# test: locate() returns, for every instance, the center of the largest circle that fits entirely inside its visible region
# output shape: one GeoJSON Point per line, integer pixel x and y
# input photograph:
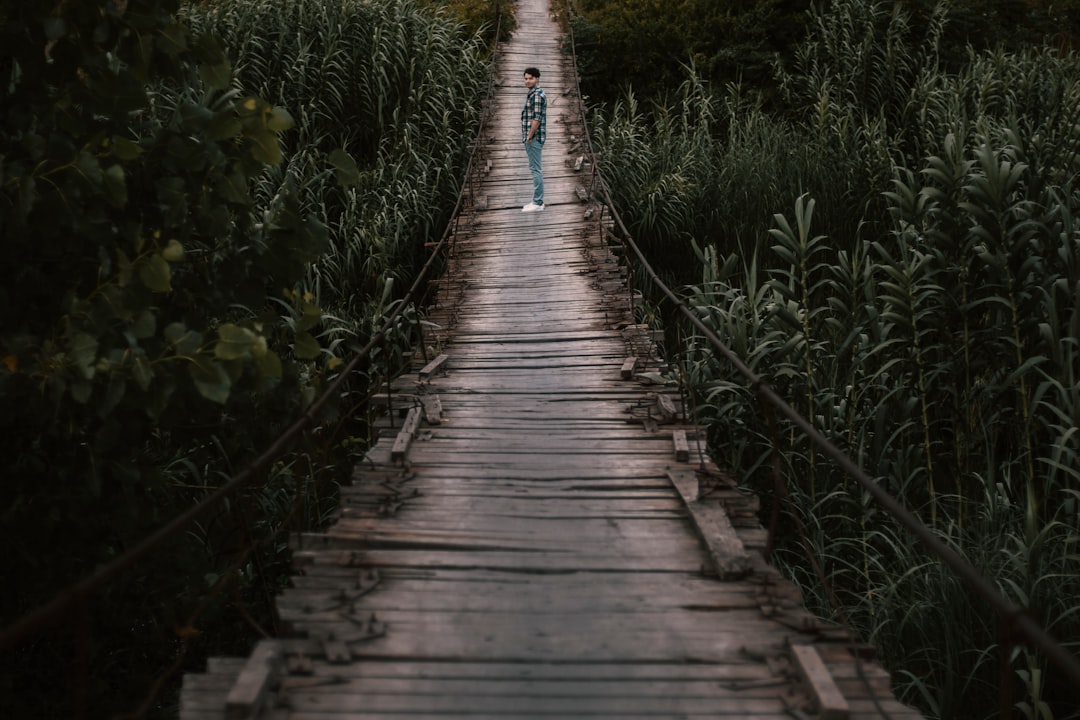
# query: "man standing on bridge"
{"type": "Point", "coordinates": [533, 134]}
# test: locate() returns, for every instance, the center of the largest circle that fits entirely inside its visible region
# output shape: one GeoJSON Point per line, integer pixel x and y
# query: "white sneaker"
{"type": "Point", "coordinates": [532, 207]}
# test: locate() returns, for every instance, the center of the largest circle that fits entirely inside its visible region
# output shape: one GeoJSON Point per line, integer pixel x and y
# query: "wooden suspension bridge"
{"type": "Point", "coordinates": [538, 533]}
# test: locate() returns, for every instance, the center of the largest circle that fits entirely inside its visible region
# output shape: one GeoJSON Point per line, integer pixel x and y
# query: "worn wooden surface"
{"type": "Point", "coordinates": [537, 533]}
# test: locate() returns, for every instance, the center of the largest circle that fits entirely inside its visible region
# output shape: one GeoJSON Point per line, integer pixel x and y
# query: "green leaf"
{"type": "Point", "coordinates": [173, 251]}
{"type": "Point", "coordinates": [125, 149]}
{"type": "Point", "coordinates": [216, 75]}
{"type": "Point", "coordinates": [345, 169]}
{"type": "Point", "coordinates": [81, 391]}
{"type": "Point", "coordinates": [187, 342]}
{"type": "Point", "coordinates": [211, 380]}
{"type": "Point", "coordinates": [83, 352]}
{"type": "Point", "coordinates": [89, 167]}
{"type": "Point", "coordinates": [54, 26]}
{"type": "Point", "coordinates": [142, 372]}
{"type": "Point", "coordinates": [233, 188]}
{"type": "Point", "coordinates": [144, 325]}
{"type": "Point", "coordinates": [280, 120]}
{"type": "Point", "coordinates": [268, 365]}
{"type": "Point", "coordinates": [195, 117]}
{"type": "Point", "coordinates": [172, 198]}
{"type": "Point", "coordinates": [173, 40]}
{"type": "Point", "coordinates": [155, 273]}
{"type": "Point", "coordinates": [115, 186]}
{"type": "Point", "coordinates": [310, 316]}
{"type": "Point", "coordinates": [306, 347]}
{"type": "Point", "coordinates": [27, 194]}
{"type": "Point", "coordinates": [235, 342]}
{"type": "Point", "coordinates": [114, 393]}
{"type": "Point", "coordinates": [157, 400]}
{"type": "Point", "coordinates": [207, 49]}
{"type": "Point", "coordinates": [223, 125]}
{"type": "Point", "coordinates": [265, 146]}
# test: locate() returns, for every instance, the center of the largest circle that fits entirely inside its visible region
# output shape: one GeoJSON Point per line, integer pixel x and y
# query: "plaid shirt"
{"type": "Point", "coordinates": [535, 109]}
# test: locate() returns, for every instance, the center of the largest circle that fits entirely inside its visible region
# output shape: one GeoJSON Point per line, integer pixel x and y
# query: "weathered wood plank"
{"type": "Point", "coordinates": [830, 702]}
{"type": "Point", "coordinates": [729, 556]}
{"type": "Point", "coordinates": [682, 447]}
{"type": "Point", "coordinates": [434, 366]}
{"type": "Point", "coordinates": [647, 559]}
{"type": "Point", "coordinates": [432, 409]}
{"type": "Point", "coordinates": [405, 435]}
{"type": "Point", "coordinates": [555, 705]}
{"type": "Point", "coordinates": [248, 694]}
{"type": "Point", "coordinates": [497, 673]}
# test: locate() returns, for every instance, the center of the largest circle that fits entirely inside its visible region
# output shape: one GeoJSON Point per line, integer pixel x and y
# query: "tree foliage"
{"type": "Point", "coordinates": [177, 231]}
{"type": "Point", "coordinates": [133, 321]}
{"type": "Point", "coordinates": [646, 43]}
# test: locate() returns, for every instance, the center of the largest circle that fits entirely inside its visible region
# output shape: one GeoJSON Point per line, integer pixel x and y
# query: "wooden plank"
{"type": "Point", "coordinates": [555, 705]}
{"type": "Point", "coordinates": [405, 435]}
{"type": "Point", "coordinates": [432, 409]}
{"type": "Point", "coordinates": [432, 367]}
{"type": "Point", "coordinates": [496, 673]}
{"type": "Point", "coordinates": [679, 558]}
{"type": "Point", "coordinates": [618, 640]}
{"type": "Point", "coordinates": [669, 592]}
{"type": "Point", "coordinates": [335, 651]}
{"type": "Point", "coordinates": [828, 699]}
{"type": "Point", "coordinates": [477, 684]}
{"type": "Point", "coordinates": [729, 557]}
{"type": "Point", "coordinates": [682, 447]}
{"type": "Point", "coordinates": [629, 367]}
{"type": "Point", "coordinates": [253, 685]}
{"type": "Point", "coordinates": [225, 665]}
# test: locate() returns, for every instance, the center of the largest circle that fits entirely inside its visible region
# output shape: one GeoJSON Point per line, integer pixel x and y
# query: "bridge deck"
{"type": "Point", "coordinates": [537, 550]}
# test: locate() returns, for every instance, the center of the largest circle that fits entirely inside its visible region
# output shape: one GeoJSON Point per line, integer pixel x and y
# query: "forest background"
{"type": "Point", "coordinates": [208, 206]}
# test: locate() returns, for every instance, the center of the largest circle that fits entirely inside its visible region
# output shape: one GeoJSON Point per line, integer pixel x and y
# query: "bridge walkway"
{"type": "Point", "coordinates": [538, 533]}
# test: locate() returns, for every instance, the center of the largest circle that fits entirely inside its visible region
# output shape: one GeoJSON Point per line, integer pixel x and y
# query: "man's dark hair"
{"type": "Point", "coordinates": [532, 71]}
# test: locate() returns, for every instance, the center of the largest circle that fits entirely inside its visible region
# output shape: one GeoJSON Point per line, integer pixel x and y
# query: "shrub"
{"type": "Point", "coordinates": [918, 308]}
{"type": "Point", "coordinates": [175, 245]}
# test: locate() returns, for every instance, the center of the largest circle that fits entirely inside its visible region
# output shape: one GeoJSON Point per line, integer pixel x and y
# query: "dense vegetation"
{"type": "Point", "coordinates": [896, 248]}
{"type": "Point", "coordinates": [645, 44]}
{"type": "Point", "coordinates": [204, 210]}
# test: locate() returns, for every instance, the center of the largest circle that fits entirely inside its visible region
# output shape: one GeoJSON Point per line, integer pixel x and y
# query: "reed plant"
{"type": "Point", "coordinates": [914, 293]}
{"type": "Point", "coordinates": [386, 100]}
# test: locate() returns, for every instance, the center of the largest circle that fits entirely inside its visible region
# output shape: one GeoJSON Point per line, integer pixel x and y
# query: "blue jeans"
{"type": "Point", "coordinates": [533, 150]}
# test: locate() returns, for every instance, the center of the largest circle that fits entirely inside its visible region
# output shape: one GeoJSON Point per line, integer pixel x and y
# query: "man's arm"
{"type": "Point", "coordinates": [534, 126]}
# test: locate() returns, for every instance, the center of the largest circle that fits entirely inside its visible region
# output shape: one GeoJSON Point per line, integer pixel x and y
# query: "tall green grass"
{"type": "Point", "coordinates": [395, 85]}
{"type": "Point", "coordinates": [897, 255]}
